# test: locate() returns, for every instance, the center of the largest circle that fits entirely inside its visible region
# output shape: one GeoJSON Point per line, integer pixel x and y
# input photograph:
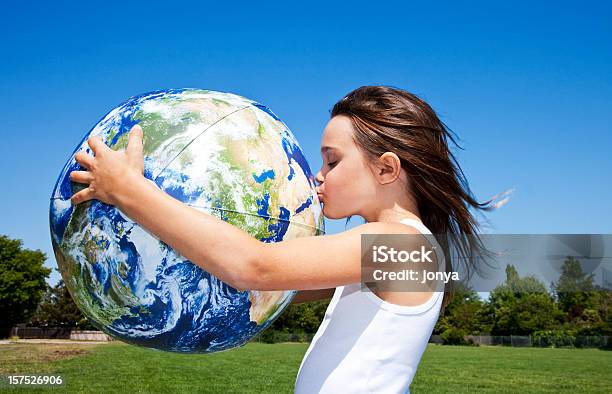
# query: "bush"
{"type": "Point", "coordinates": [270, 336]}
{"type": "Point", "coordinates": [275, 336]}
{"type": "Point", "coordinates": [554, 338]}
{"type": "Point", "coordinates": [454, 336]}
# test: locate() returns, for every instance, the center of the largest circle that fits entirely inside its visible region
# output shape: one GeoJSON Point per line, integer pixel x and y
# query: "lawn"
{"type": "Point", "coordinates": [259, 367]}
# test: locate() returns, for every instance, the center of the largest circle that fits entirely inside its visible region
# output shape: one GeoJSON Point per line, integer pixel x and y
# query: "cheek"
{"type": "Point", "coordinates": [341, 184]}
{"type": "Point", "coordinates": [342, 195]}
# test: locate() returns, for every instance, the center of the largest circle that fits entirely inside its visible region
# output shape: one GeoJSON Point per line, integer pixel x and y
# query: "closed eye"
{"type": "Point", "coordinates": [331, 164]}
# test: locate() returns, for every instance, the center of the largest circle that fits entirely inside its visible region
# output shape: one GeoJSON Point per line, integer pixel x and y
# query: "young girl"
{"type": "Point", "coordinates": [386, 159]}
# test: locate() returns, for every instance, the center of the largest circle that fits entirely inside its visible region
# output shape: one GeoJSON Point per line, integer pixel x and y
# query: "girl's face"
{"type": "Point", "coordinates": [345, 183]}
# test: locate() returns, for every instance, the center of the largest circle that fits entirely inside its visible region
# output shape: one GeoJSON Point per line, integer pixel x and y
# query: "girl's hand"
{"type": "Point", "coordinates": [110, 173]}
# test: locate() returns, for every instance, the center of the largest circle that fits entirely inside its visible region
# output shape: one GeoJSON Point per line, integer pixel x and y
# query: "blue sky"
{"type": "Point", "coordinates": [525, 85]}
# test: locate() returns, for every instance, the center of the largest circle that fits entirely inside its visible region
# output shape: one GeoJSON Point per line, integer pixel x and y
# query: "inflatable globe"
{"type": "Point", "coordinates": [221, 154]}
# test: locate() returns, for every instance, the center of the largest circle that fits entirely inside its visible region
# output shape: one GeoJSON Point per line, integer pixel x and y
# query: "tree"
{"type": "Point", "coordinates": [522, 306]}
{"type": "Point", "coordinates": [574, 289]}
{"type": "Point", "coordinates": [587, 306]}
{"type": "Point", "coordinates": [604, 310]}
{"type": "Point", "coordinates": [57, 309]}
{"type": "Point", "coordinates": [465, 314]}
{"type": "Point", "coordinates": [518, 285]}
{"type": "Point", "coordinates": [22, 282]}
{"type": "Point", "coordinates": [305, 317]}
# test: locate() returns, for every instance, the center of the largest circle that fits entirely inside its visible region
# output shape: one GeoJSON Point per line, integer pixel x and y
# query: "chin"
{"type": "Point", "coordinates": [330, 214]}
{"type": "Point", "coordinates": [326, 212]}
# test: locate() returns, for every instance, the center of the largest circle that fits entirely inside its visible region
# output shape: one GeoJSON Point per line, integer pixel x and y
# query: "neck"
{"type": "Point", "coordinates": [393, 211]}
{"type": "Point", "coordinates": [391, 204]}
{"type": "Point", "coordinates": [397, 215]}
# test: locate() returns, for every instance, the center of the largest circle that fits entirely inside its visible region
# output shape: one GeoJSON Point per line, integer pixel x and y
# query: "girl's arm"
{"type": "Point", "coordinates": [237, 258]}
{"type": "Point", "coordinates": [233, 255]}
{"type": "Point", "coordinates": [224, 250]}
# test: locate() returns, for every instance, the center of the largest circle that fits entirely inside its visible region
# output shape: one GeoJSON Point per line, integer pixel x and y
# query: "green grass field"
{"type": "Point", "coordinates": [272, 368]}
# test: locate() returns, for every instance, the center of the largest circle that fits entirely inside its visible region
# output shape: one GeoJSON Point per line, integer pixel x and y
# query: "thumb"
{"type": "Point", "coordinates": [134, 147]}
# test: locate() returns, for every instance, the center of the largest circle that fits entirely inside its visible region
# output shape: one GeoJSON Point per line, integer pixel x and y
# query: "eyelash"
{"type": "Point", "coordinates": [333, 163]}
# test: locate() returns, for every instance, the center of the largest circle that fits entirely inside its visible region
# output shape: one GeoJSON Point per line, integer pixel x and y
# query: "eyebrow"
{"type": "Point", "coordinates": [326, 148]}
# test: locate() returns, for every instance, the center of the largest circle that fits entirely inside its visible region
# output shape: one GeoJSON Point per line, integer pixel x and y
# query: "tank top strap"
{"type": "Point", "coordinates": [416, 223]}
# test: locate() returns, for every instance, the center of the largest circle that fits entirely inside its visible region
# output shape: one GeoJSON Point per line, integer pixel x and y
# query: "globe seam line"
{"type": "Point", "coordinates": [195, 138]}
{"type": "Point", "coordinates": [242, 212]}
{"type": "Point", "coordinates": [257, 215]}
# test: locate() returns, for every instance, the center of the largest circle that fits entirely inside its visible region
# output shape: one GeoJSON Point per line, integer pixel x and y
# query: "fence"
{"type": "Point", "coordinates": [535, 341]}
{"type": "Point", "coordinates": [271, 336]}
{"type": "Point", "coordinates": [41, 332]}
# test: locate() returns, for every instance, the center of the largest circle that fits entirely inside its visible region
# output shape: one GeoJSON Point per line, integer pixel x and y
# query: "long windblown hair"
{"type": "Point", "coordinates": [389, 119]}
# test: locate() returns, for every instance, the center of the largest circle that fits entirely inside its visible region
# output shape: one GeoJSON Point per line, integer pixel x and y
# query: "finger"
{"type": "Point", "coordinates": [96, 144]}
{"type": "Point", "coordinates": [81, 196]}
{"type": "Point", "coordinates": [134, 147]}
{"type": "Point", "coordinates": [84, 159]}
{"type": "Point", "coordinates": [81, 176]}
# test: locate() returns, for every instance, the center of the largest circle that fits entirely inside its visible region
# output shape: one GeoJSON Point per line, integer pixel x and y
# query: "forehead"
{"type": "Point", "coordinates": [337, 134]}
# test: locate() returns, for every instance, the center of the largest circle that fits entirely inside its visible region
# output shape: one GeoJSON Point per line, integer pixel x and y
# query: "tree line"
{"type": "Point", "coordinates": [574, 306]}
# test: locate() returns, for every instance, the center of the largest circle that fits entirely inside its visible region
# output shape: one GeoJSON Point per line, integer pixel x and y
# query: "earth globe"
{"type": "Point", "coordinates": [218, 152]}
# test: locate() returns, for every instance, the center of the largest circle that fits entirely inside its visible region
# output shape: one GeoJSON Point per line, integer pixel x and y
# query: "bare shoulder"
{"type": "Point", "coordinates": [388, 228]}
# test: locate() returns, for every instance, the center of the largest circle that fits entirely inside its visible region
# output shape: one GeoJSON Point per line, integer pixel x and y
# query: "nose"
{"type": "Point", "coordinates": [319, 178]}
{"type": "Point", "coordinates": [319, 181]}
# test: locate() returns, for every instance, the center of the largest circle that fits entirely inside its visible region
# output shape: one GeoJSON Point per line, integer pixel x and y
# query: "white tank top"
{"type": "Point", "coordinates": [366, 344]}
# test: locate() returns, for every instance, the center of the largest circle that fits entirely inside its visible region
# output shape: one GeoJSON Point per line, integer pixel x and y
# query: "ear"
{"type": "Point", "coordinates": [387, 168]}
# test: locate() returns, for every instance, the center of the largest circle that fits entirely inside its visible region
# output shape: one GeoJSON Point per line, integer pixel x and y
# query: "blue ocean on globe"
{"type": "Point", "coordinates": [221, 154]}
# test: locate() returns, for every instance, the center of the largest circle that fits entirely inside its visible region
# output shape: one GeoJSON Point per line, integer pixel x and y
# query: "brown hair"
{"type": "Point", "coordinates": [388, 119]}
